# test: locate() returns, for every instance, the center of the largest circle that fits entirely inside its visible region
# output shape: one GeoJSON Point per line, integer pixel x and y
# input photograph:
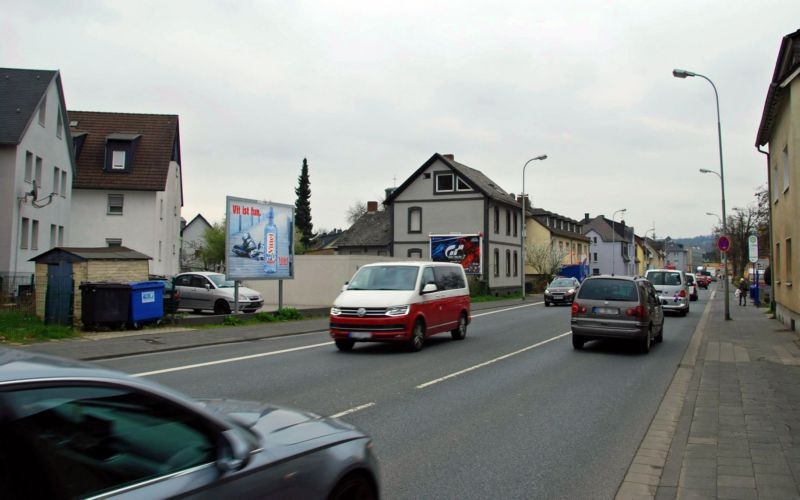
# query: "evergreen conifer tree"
{"type": "Point", "coordinates": [302, 207]}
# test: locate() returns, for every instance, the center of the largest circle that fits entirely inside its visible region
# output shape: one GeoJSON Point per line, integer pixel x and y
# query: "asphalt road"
{"type": "Point", "coordinates": [511, 412]}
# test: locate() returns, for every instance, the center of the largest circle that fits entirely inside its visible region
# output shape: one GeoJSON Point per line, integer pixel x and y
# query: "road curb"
{"type": "Point", "coordinates": [651, 459]}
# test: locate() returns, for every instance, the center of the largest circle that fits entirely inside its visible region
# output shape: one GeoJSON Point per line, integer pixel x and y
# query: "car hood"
{"type": "Point", "coordinates": [279, 425]}
{"type": "Point", "coordinates": [243, 290]}
{"type": "Point", "coordinates": [560, 289]}
{"type": "Point", "coordinates": [373, 298]}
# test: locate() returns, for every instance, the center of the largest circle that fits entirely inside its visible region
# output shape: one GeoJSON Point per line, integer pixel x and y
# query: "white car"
{"type": "Point", "coordinates": [672, 289]}
{"type": "Point", "coordinates": [205, 291]}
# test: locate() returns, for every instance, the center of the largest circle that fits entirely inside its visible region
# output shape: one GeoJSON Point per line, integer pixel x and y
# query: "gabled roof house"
{"type": "Point", "coordinates": [36, 170]}
{"type": "Point", "coordinates": [446, 197]}
{"type": "Point", "coordinates": [128, 187]}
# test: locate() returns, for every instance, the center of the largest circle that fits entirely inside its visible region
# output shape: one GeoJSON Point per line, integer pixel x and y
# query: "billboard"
{"type": "Point", "coordinates": [258, 240]}
{"type": "Point", "coordinates": [464, 249]}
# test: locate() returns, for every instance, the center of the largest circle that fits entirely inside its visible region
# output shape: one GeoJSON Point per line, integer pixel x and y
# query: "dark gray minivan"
{"type": "Point", "coordinates": [617, 307]}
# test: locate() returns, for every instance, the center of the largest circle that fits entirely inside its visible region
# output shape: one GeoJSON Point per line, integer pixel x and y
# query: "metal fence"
{"type": "Point", "coordinates": [18, 291]}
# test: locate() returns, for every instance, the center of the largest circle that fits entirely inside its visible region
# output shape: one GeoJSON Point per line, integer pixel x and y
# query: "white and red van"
{"type": "Point", "coordinates": [401, 302]}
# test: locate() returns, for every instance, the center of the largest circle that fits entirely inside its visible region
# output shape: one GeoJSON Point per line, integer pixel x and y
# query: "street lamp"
{"type": "Point", "coordinates": [649, 257]}
{"type": "Point", "coordinates": [614, 239]}
{"type": "Point", "coordinates": [682, 73]}
{"type": "Point", "coordinates": [522, 233]}
{"type": "Point", "coordinates": [715, 215]}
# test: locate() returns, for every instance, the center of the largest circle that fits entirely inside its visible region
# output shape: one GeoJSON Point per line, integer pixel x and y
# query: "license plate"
{"type": "Point", "coordinates": [360, 335]}
{"type": "Point", "coordinates": [605, 310]}
{"type": "Point", "coordinates": [558, 296]}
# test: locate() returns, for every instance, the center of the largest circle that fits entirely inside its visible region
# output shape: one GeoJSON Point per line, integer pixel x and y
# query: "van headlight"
{"type": "Point", "coordinates": [397, 310]}
{"type": "Point", "coordinates": [335, 311]}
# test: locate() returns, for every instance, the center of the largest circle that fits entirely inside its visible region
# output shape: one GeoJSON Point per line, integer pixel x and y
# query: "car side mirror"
{"type": "Point", "coordinates": [234, 452]}
{"type": "Point", "coordinates": [208, 287]}
{"type": "Point", "coordinates": [429, 287]}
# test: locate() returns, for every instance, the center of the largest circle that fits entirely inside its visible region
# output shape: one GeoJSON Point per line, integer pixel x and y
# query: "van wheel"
{"type": "Point", "coordinates": [417, 337]}
{"type": "Point", "coordinates": [345, 345]}
{"type": "Point", "coordinates": [577, 342]}
{"type": "Point", "coordinates": [644, 344]}
{"type": "Point", "coordinates": [461, 331]}
{"type": "Point", "coordinates": [222, 307]}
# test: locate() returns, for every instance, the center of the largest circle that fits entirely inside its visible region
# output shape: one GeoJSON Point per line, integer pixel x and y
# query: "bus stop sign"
{"type": "Point", "coordinates": [723, 243]}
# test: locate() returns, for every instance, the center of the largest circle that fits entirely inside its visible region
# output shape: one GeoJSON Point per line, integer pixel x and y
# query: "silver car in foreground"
{"type": "Point", "coordinates": [72, 430]}
{"type": "Point", "coordinates": [617, 307]}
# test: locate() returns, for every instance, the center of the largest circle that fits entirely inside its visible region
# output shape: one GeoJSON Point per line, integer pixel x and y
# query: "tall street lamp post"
{"type": "Point", "coordinates": [682, 73]}
{"type": "Point", "coordinates": [614, 240]}
{"type": "Point", "coordinates": [522, 233]}
{"type": "Point", "coordinates": [649, 258]}
{"type": "Point", "coordinates": [725, 232]}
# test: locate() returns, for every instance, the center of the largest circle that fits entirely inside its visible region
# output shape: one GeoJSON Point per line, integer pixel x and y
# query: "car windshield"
{"type": "Point", "coordinates": [562, 282]}
{"type": "Point", "coordinates": [220, 281]}
{"type": "Point", "coordinates": [689, 279]}
{"type": "Point", "coordinates": [608, 289]}
{"type": "Point", "coordinates": [669, 278]}
{"type": "Point", "coordinates": [385, 278]}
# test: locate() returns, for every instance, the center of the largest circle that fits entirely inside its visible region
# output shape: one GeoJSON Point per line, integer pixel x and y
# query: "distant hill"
{"type": "Point", "coordinates": [705, 242]}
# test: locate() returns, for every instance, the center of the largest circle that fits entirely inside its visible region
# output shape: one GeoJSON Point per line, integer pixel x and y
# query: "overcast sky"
{"type": "Point", "coordinates": [369, 90]}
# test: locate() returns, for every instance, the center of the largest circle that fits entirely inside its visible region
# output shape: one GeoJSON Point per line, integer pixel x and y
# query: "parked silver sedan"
{"type": "Point", "coordinates": [72, 430]}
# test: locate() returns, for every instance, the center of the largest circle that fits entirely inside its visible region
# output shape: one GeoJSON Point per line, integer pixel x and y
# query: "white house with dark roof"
{"type": "Point", "coordinates": [444, 196]}
{"type": "Point", "coordinates": [612, 246]}
{"type": "Point", "coordinates": [36, 169]}
{"type": "Point", "coordinates": [128, 184]}
{"type": "Point", "coordinates": [193, 240]}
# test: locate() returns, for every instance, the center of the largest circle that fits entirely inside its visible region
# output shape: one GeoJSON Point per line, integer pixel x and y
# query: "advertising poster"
{"type": "Point", "coordinates": [464, 249]}
{"type": "Point", "coordinates": [258, 240]}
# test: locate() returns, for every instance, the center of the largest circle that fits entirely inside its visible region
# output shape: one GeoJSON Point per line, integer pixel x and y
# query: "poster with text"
{"type": "Point", "coordinates": [464, 249]}
{"type": "Point", "coordinates": [258, 240]}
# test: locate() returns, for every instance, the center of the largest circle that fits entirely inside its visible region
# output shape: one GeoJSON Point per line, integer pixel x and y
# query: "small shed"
{"type": "Point", "coordinates": [61, 270]}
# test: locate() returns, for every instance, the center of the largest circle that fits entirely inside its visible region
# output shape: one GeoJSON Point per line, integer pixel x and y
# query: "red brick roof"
{"type": "Point", "coordinates": [159, 143]}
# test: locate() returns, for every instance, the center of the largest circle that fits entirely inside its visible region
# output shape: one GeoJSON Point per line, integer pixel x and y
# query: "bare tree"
{"type": "Point", "coordinates": [355, 211]}
{"type": "Point", "coordinates": [546, 259]}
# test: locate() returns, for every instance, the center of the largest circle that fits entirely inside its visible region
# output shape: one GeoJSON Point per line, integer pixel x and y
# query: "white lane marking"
{"type": "Point", "coordinates": [495, 360]}
{"type": "Point", "coordinates": [506, 309]}
{"type": "Point", "coordinates": [229, 360]}
{"type": "Point", "coordinates": [272, 353]}
{"type": "Point", "coordinates": [352, 410]}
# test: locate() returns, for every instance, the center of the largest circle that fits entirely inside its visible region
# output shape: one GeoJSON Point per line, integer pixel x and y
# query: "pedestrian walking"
{"type": "Point", "coordinates": [743, 289]}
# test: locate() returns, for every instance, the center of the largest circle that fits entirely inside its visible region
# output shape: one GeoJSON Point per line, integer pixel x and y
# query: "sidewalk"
{"type": "Point", "coordinates": [729, 425]}
{"type": "Point", "coordinates": [94, 346]}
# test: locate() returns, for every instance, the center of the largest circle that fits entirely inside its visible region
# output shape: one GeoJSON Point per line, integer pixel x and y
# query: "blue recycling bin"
{"type": "Point", "coordinates": [147, 302]}
{"type": "Point", "coordinates": [754, 291]}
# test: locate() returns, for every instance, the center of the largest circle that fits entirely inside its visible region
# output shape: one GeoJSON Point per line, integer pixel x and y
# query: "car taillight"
{"type": "Point", "coordinates": [577, 308]}
{"type": "Point", "coordinates": [682, 294]}
{"type": "Point", "coordinates": [636, 312]}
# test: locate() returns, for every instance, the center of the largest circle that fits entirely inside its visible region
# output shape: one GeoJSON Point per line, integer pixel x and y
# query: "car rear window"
{"type": "Point", "coordinates": [608, 289]}
{"type": "Point", "coordinates": [664, 278]}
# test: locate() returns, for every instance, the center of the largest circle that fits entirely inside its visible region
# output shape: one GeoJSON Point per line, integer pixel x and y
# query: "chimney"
{"type": "Point", "coordinates": [586, 216]}
{"type": "Point", "coordinates": [388, 192]}
{"type": "Point", "coordinates": [372, 206]}
{"type": "Point", "coordinates": [450, 156]}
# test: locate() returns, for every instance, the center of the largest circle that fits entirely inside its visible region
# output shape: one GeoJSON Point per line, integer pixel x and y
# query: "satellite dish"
{"type": "Point", "coordinates": [35, 191]}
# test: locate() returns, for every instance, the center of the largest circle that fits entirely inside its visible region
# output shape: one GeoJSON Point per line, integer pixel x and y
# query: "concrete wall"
{"type": "Point", "coordinates": [318, 279]}
{"type": "Point", "coordinates": [43, 142]}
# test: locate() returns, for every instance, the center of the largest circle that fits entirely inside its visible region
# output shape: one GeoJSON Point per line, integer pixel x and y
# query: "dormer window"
{"type": "Point", "coordinates": [120, 149]}
{"type": "Point", "coordinates": [448, 182]}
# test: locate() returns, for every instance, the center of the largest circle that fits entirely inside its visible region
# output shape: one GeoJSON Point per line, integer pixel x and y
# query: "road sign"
{"type": "Point", "coordinates": [752, 243]}
{"type": "Point", "coordinates": [723, 243]}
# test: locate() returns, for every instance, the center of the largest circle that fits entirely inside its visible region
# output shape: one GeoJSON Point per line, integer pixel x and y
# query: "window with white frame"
{"type": "Point", "coordinates": [516, 263]}
{"type": "Point", "coordinates": [508, 263]}
{"type": "Point", "coordinates": [60, 235]}
{"type": "Point", "coordinates": [115, 204]}
{"type": "Point", "coordinates": [785, 166]}
{"type": "Point", "coordinates": [28, 166]}
{"type": "Point", "coordinates": [461, 185]}
{"type": "Point", "coordinates": [118, 159]}
{"type": "Point", "coordinates": [56, 179]}
{"type": "Point", "coordinates": [508, 222]}
{"type": "Point", "coordinates": [38, 172]}
{"type": "Point", "coordinates": [445, 182]}
{"type": "Point", "coordinates": [64, 184]}
{"type": "Point", "coordinates": [24, 233]}
{"type": "Point", "coordinates": [34, 234]}
{"type": "Point", "coordinates": [496, 220]}
{"type": "Point", "coordinates": [53, 235]}
{"type": "Point", "coordinates": [516, 222]}
{"type": "Point", "coordinates": [496, 262]}
{"type": "Point", "coordinates": [113, 242]}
